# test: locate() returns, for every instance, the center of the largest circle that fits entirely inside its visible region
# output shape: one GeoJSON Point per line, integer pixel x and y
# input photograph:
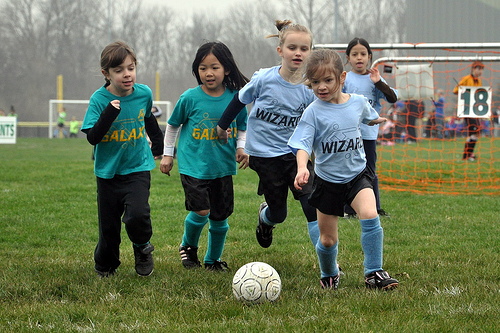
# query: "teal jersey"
{"type": "Point", "coordinates": [200, 154]}
{"type": "Point", "coordinates": [124, 149]}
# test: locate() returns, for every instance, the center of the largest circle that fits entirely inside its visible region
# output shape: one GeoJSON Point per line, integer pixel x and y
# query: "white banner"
{"type": "Point", "coordinates": [474, 102]}
{"type": "Point", "coordinates": [8, 129]}
{"type": "Point", "coordinates": [414, 81]}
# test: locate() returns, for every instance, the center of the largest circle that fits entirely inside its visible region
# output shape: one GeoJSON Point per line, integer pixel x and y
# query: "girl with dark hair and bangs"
{"type": "Point", "coordinates": [207, 164]}
{"type": "Point", "coordinates": [367, 81]}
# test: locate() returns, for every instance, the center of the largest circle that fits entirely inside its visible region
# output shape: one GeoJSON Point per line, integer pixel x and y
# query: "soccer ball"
{"type": "Point", "coordinates": [256, 282]}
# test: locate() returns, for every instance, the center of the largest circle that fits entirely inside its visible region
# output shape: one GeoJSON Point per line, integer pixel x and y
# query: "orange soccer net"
{"type": "Point", "coordinates": [417, 153]}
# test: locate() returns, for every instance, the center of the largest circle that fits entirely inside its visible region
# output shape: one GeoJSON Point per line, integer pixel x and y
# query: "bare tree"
{"type": "Point", "coordinates": [44, 38]}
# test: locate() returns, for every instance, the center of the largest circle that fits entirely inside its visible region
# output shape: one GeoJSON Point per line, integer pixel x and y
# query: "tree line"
{"type": "Point", "coordinates": [41, 39]}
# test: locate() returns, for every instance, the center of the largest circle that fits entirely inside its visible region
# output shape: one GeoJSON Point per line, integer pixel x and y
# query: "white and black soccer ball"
{"type": "Point", "coordinates": [256, 282]}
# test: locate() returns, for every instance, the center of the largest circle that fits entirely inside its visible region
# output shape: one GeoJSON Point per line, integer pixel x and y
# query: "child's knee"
{"type": "Point", "coordinates": [368, 214]}
{"type": "Point", "coordinates": [328, 240]}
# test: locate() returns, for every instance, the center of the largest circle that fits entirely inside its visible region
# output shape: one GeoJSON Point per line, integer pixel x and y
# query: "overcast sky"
{"type": "Point", "coordinates": [187, 6]}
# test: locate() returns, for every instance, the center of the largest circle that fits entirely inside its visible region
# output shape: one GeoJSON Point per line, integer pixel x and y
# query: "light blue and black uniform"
{"type": "Point", "coordinates": [363, 85]}
{"type": "Point", "coordinates": [332, 132]}
{"type": "Point", "coordinates": [277, 108]}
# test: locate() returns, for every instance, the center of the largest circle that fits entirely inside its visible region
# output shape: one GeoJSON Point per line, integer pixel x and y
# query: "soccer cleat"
{"type": "Point", "coordinates": [382, 212]}
{"type": "Point", "coordinates": [264, 232]}
{"type": "Point", "coordinates": [219, 266]}
{"type": "Point", "coordinates": [144, 264]}
{"type": "Point", "coordinates": [380, 280]}
{"type": "Point", "coordinates": [107, 273]}
{"type": "Point", "coordinates": [350, 216]}
{"type": "Point", "coordinates": [330, 282]}
{"type": "Point", "coordinates": [189, 256]}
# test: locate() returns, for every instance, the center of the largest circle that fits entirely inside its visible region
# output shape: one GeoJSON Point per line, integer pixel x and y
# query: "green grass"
{"type": "Point", "coordinates": [443, 249]}
{"type": "Point", "coordinates": [436, 166]}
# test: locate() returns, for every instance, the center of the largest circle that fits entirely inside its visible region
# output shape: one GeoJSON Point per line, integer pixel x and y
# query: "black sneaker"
{"type": "Point", "coordinates": [382, 212]}
{"type": "Point", "coordinates": [220, 266]}
{"type": "Point", "coordinates": [144, 264]}
{"type": "Point", "coordinates": [264, 232]}
{"type": "Point", "coordinates": [380, 280]}
{"type": "Point", "coordinates": [330, 282]}
{"type": "Point", "coordinates": [189, 256]}
{"type": "Point", "coordinates": [107, 273]}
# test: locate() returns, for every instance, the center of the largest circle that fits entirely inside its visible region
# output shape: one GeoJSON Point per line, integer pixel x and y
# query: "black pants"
{"type": "Point", "coordinates": [122, 197]}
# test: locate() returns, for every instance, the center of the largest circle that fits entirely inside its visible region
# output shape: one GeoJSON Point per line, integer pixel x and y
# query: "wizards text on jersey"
{"type": "Point", "coordinates": [281, 121]}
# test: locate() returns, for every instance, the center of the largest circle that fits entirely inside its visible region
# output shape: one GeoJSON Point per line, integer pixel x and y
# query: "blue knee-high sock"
{"type": "Point", "coordinates": [372, 242]}
{"type": "Point", "coordinates": [327, 259]}
{"type": "Point", "coordinates": [216, 239]}
{"type": "Point", "coordinates": [193, 225]}
{"type": "Point", "coordinates": [313, 229]}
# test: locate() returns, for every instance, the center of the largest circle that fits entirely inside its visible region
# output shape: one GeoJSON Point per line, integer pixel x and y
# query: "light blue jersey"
{"type": "Point", "coordinates": [332, 132]}
{"type": "Point", "coordinates": [200, 154]}
{"type": "Point", "coordinates": [363, 85]}
{"type": "Point", "coordinates": [277, 108]}
{"type": "Point", "coordinates": [124, 149]}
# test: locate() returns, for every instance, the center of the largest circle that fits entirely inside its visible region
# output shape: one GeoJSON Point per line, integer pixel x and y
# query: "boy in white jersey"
{"type": "Point", "coordinates": [329, 127]}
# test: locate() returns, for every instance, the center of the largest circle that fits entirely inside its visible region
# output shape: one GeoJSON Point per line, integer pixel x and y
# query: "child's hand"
{"type": "Point", "coordinates": [374, 75]}
{"type": "Point", "coordinates": [242, 158]}
{"type": "Point", "coordinates": [223, 134]}
{"type": "Point", "coordinates": [166, 164]}
{"type": "Point", "coordinates": [115, 103]}
{"type": "Point", "coordinates": [379, 120]}
{"type": "Point", "coordinates": [301, 178]}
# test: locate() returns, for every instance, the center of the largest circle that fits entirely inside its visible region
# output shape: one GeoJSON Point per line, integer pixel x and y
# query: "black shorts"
{"type": "Point", "coordinates": [277, 175]}
{"type": "Point", "coordinates": [330, 198]}
{"type": "Point", "coordinates": [216, 195]}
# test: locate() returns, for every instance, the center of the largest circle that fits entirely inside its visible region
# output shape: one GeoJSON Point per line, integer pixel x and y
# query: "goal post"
{"type": "Point", "coordinates": [434, 163]}
{"type": "Point", "coordinates": [79, 113]}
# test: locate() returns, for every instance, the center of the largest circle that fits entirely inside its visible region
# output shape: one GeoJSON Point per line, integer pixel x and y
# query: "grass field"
{"type": "Point", "coordinates": [444, 250]}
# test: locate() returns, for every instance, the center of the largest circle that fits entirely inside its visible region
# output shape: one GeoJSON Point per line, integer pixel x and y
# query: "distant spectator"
{"type": "Point", "coordinates": [495, 119]}
{"type": "Point", "coordinates": [415, 111]}
{"type": "Point", "coordinates": [156, 111]}
{"type": "Point", "coordinates": [486, 129]}
{"type": "Point", "coordinates": [61, 119]}
{"type": "Point", "coordinates": [400, 120]}
{"type": "Point", "coordinates": [473, 125]}
{"type": "Point", "coordinates": [2, 113]}
{"type": "Point", "coordinates": [73, 127]}
{"type": "Point", "coordinates": [12, 112]}
{"type": "Point", "coordinates": [439, 113]}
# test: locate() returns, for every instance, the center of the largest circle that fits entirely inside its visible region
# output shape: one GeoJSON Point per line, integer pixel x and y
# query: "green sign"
{"type": "Point", "coordinates": [8, 129]}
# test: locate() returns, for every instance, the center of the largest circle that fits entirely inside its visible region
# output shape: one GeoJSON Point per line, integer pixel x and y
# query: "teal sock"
{"type": "Point", "coordinates": [372, 242]}
{"type": "Point", "coordinates": [328, 259]}
{"type": "Point", "coordinates": [313, 229]}
{"type": "Point", "coordinates": [216, 239]}
{"type": "Point", "coordinates": [193, 226]}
